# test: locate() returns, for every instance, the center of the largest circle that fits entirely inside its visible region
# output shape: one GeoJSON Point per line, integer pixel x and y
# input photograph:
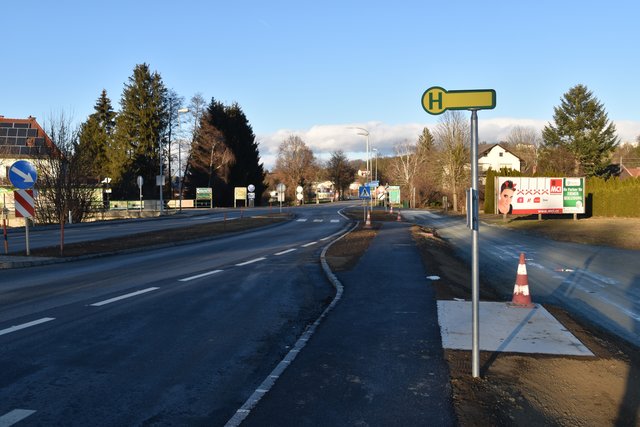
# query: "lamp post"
{"type": "Point", "coordinates": [161, 177]}
{"type": "Point", "coordinates": [365, 132]}
{"type": "Point", "coordinates": [376, 151]}
{"type": "Point", "coordinates": [180, 176]}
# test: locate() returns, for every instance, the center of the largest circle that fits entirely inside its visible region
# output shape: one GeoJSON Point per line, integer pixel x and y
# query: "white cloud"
{"type": "Point", "coordinates": [325, 139]}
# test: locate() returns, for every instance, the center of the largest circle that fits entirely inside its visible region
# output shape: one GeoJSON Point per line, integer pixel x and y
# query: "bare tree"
{"type": "Point", "coordinates": [452, 135]}
{"type": "Point", "coordinates": [196, 109]}
{"type": "Point", "coordinates": [295, 163]}
{"type": "Point", "coordinates": [62, 185]}
{"type": "Point", "coordinates": [524, 142]}
{"type": "Point", "coordinates": [209, 152]}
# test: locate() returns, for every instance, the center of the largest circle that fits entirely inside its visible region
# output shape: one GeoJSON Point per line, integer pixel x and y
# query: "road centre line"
{"type": "Point", "coordinates": [208, 273]}
{"type": "Point", "coordinates": [309, 244]}
{"type": "Point", "coordinates": [250, 261]}
{"type": "Point", "coordinates": [286, 252]}
{"type": "Point", "coordinates": [121, 297]}
{"type": "Point", "coordinates": [15, 416]}
{"type": "Point", "coordinates": [24, 326]}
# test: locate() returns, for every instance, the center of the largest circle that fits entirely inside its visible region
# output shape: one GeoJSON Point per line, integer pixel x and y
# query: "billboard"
{"type": "Point", "coordinates": [525, 195]}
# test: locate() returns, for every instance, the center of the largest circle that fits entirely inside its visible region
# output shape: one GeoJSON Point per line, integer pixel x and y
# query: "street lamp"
{"type": "Point", "coordinates": [180, 176]}
{"type": "Point", "coordinates": [161, 177]}
{"type": "Point", "coordinates": [364, 132]}
{"type": "Point", "coordinates": [376, 151]}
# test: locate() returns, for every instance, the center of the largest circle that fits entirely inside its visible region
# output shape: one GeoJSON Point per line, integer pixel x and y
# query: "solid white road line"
{"type": "Point", "coordinates": [286, 252]}
{"type": "Point", "coordinates": [121, 297]}
{"type": "Point", "coordinates": [15, 416]}
{"type": "Point", "coordinates": [250, 262]}
{"type": "Point", "coordinates": [309, 244]}
{"type": "Point", "coordinates": [208, 273]}
{"type": "Point", "coordinates": [26, 325]}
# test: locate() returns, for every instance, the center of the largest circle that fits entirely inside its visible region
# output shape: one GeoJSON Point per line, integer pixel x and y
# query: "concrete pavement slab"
{"type": "Point", "coordinates": [505, 328]}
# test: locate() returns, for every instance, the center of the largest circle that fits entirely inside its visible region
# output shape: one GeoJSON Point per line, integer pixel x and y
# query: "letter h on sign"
{"type": "Point", "coordinates": [433, 101]}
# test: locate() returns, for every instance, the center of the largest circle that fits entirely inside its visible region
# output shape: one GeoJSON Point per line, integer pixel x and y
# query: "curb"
{"type": "Point", "coordinates": [268, 383]}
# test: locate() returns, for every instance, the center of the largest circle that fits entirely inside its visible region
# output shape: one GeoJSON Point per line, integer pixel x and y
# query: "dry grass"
{"type": "Point", "coordinates": [615, 232]}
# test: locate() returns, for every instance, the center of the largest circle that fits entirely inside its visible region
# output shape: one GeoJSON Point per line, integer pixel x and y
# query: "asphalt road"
{"type": "Point", "coordinates": [49, 235]}
{"type": "Point", "coordinates": [172, 336]}
{"type": "Point", "coordinates": [597, 283]}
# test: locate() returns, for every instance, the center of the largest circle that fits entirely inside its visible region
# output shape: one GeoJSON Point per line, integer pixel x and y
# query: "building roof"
{"type": "Point", "coordinates": [630, 172]}
{"type": "Point", "coordinates": [24, 138]}
{"type": "Point", "coordinates": [483, 150]}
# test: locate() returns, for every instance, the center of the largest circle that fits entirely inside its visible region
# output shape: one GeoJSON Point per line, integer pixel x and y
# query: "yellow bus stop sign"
{"type": "Point", "coordinates": [437, 100]}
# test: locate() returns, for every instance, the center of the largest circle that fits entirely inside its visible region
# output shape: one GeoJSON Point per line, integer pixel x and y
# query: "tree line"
{"type": "Point", "coordinates": [221, 151]}
{"type": "Point", "coordinates": [581, 141]}
{"type": "Point", "coordinates": [113, 148]}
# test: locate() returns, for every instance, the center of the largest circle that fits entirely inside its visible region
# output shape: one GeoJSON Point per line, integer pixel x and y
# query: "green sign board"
{"type": "Point", "coordinates": [573, 195]}
{"type": "Point", "coordinates": [437, 100]}
{"type": "Point", "coordinates": [394, 194]}
{"type": "Point", "coordinates": [204, 193]}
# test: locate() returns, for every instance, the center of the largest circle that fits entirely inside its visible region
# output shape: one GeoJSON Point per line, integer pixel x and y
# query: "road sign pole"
{"type": "Point", "coordinates": [26, 235]}
{"type": "Point", "coordinates": [475, 353]}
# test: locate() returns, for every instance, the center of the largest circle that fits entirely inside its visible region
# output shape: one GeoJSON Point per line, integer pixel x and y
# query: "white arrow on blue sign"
{"type": "Point", "coordinates": [23, 175]}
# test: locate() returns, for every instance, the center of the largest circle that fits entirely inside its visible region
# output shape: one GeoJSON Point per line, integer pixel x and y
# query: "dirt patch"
{"type": "Point", "coordinates": [615, 232]}
{"type": "Point", "coordinates": [523, 389]}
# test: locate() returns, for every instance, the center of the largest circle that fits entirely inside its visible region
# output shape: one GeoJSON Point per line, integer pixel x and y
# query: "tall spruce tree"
{"type": "Point", "coordinates": [583, 129]}
{"type": "Point", "coordinates": [96, 139]}
{"type": "Point", "coordinates": [244, 165]}
{"type": "Point", "coordinates": [140, 132]}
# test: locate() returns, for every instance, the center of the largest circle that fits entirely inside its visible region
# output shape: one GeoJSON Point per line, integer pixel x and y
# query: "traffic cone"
{"type": "Point", "coordinates": [521, 295]}
{"type": "Point", "coordinates": [367, 224]}
{"type": "Point", "coordinates": [399, 217]}
{"type": "Point", "coordinates": [391, 209]}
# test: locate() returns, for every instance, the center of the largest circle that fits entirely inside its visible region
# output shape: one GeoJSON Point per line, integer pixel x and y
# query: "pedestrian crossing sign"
{"type": "Point", "coordinates": [364, 192]}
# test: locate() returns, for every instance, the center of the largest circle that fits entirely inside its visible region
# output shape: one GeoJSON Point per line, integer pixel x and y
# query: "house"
{"type": "Point", "coordinates": [629, 172]}
{"type": "Point", "coordinates": [22, 139]}
{"type": "Point", "coordinates": [496, 157]}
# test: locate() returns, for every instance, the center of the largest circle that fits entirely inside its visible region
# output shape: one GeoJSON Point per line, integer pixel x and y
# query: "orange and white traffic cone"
{"type": "Point", "coordinates": [399, 217]}
{"type": "Point", "coordinates": [367, 224]}
{"type": "Point", "coordinates": [521, 295]}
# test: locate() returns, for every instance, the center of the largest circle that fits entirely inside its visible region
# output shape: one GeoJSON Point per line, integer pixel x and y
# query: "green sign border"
{"type": "Point", "coordinates": [493, 105]}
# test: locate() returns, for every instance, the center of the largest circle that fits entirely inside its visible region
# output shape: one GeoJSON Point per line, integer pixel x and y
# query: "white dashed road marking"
{"type": "Point", "coordinates": [15, 416]}
{"type": "Point", "coordinates": [121, 297]}
{"type": "Point", "coordinates": [251, 261]}
{"type": "Point", "coordinates": [309, 244]}
{"type": "Point", "coordinates": [25, 325]}
{"type": "Point", "coordinates": [208, 273]}
{"type": "Point", "coordinates": [286, 252]}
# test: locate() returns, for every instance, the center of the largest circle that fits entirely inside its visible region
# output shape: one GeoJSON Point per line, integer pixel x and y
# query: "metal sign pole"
{"type": "Point", "coordinates": [26, 235]}
{"type": "Point", "coordinates": [475, 353]}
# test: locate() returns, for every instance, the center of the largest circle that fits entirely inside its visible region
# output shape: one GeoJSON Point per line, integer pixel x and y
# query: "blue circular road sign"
{"type": "Point", "coordinates": [22, 175]}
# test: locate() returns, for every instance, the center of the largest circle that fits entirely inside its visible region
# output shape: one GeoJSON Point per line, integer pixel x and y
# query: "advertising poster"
{"type": "Point", "coordinates": [527, 195]}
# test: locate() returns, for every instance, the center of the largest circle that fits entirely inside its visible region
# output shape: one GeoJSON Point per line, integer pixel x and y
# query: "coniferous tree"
{"type": "Point", "coordinates": [247, 168]}
{"type": "Point", "coordinates": [583, 129]}
{"type": "Point", "coordinates": [140, 133]}
{"type": "Point", "coordinates": [96, 139]}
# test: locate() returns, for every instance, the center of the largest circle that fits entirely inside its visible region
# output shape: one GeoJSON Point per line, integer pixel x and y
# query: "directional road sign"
{"type": "Point", "coordinates": [364, 192]}
{"type": "Point", "coordinates": [22, 175]}
{"type": "Point", "coordinates": [437, 100]}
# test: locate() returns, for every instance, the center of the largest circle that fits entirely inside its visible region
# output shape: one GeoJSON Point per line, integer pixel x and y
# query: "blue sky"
{"type": "Point", "coordinates": [316, 68]}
